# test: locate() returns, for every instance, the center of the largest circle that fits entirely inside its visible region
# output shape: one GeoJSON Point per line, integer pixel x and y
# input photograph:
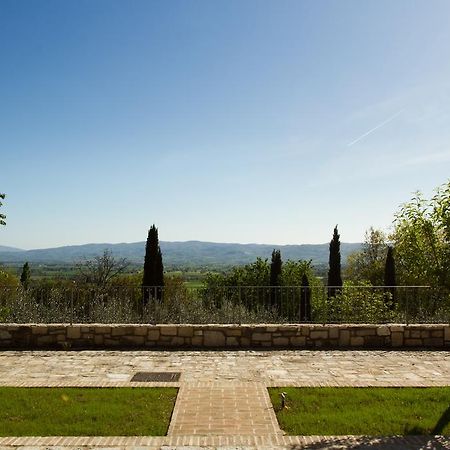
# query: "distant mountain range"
{"type": "Point", "coordinates": [194, 254]}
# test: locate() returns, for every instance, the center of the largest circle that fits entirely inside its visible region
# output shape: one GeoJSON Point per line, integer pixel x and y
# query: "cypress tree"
{"type": "Point", "coordinates": [2, 216]}
{"type": "Point", "coordinates": [153, 278]}
{"type": "Point", "coordinates": [275, 279]}
{"type": "Point", "coordinates": [334, 272]}
{"type": "Point", "coordinates": [25, 276]}
{"type": "Point", "coordinates": [305, 300]}
{"type": "Point", "coordinates": [389, 275]}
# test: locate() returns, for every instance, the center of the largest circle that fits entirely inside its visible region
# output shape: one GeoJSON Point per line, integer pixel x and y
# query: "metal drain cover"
{"type": "Point", "coordinates": [156, 376]}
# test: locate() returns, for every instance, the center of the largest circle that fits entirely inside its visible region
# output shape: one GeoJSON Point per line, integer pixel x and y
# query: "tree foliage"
{"type": "Point", "coordinates": [334, 272]}
{"type": "Point", "coordinates": [368, 264]}
{"type": "Point", "coordinates": [390, 280]}
{"type": "Point", "coordinates": [253, 281]}
{"type": "Point", "coordinates": [305, 300]}
{"type": "Point", "coordinates": [275, 268]}
{"type": "Point", "coordinates": [25, 275]}
{"type": "Point", "coordinates": [421, 239]}
{"type": "Point", "coordinates": [275, 278]}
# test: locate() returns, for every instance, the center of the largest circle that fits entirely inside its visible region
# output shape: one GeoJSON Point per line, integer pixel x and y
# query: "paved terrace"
{"type": "Point", "coordinates": [223, 401]}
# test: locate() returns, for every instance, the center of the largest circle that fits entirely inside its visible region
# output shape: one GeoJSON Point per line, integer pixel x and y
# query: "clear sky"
{"type": "Point", "coordinates": [227, 121]}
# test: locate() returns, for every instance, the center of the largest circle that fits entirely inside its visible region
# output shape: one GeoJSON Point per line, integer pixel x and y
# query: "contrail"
{"type": "Point", "coordinates": [382, 124]}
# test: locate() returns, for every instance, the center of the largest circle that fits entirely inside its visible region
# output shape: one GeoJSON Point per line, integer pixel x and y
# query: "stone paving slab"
{"type": "Point", "coordinates": [272, 368]}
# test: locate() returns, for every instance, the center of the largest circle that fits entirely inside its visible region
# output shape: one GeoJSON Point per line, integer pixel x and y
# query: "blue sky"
{"type": "Point", "coordinates": [228, 121]}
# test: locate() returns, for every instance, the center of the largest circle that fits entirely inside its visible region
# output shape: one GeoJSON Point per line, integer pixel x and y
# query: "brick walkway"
{"type": "Point", "coordinates": [223, 401]}
{"type": "Point", "coordinates": [224, 409]}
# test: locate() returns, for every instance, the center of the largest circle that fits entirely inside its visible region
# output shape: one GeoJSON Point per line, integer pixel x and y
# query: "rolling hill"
{"type": "Point", "coordinates": [181, 254]}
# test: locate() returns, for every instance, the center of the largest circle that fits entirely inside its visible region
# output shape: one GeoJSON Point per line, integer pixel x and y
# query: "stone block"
{"type": "Point", "coordinates": [397, 339]}
{"type": "Point", "coordinates": [118, 331]}
{"type": "Point", "coordinates": [4, 334]}
{"type": "Point", "coordinates": [111, 342]}
{"type": "Point", "coordinates": [447, 333]}
{"type": "Point", "coordinates": [284, 341]}
{"type": "Point", "coordinates": [39, 329]}
{"type": "Point", "coordinates": [197, 341]}
{"type": "Point", "coordinates": [168, 330]}
{"type": "Point", "coordinates": [214, 338]}
{"type": "Point", "coordinates": [140, 330]}
{"type": "Point", "coordinates": [45, 339]}
{"type": "Point", "coordinates": [412, 342]}
{"type": "Point", "coordinates": [305, 330]}
{"type": "Point", "coordinates": [232, 341]}
{"type": "Point", "coordinates": [185, 331]}
{"type": "Point", "coordinates": [383, 331]}
{"type": "Point", "coordinates": [73, 333]}
{"type": "Point", "coordinates": [433, 342]}
{"type": "Point", "coordinates": [366, 332]}
{"type": "Point", "coordinates": [102, 330]}
{"type": "Point", "coordinates": [344, 338]}
{"type": "Point", "coordinates": [99, 339]}
{"type": "Point", "coordinates": [153, 334]}
{"type": "Point", "coordinates": [374, 341]}
{"type": "Point", "coordinates": [356, 341]}
{"type": "Point", "coordinates": [414, 334]}
{"type": "Point", "coordinates": [56, 330]}
{"type": "Point", "coordinates": [333, 332]}
{"type": "Point", "coordinates": [133, 340]}
{"type": "Point", "coordinates": [437, 333]}
{"type": "Point", "coordinates": [316, 334]}
{"type": "Point", "coordinates": [397, 328]}
{"type": "Point", "coordinates": [298, 341]}
{"type": "Point", "coordinates": [198, 332]}
{"type": "Point", "coordinates": [262, 337]}
{"type": "Point", "coordinates": [245, 342]}
{"type": "Point", "coordinates": [177, 341]}
{"type": "Point", "coordinates": [233, 332]}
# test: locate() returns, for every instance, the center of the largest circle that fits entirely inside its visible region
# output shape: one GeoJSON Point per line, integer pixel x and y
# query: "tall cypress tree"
{"type": "Point", "coordinates": [389, 275]}
{"type": "Point", "coordinates": [25, 276]}
{"type": "Point", "coordinates": [2, 216]}
{"type": "Point", "coordinates": [153, 278]}
{"type": "Point", "coordinates": [334, 272]}
{"type": "Point", "coordinates": [305, 300]}
{"type": "Point", "coordinates": [275, 279]}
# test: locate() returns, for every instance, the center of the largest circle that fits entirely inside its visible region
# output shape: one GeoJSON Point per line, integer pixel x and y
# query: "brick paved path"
{"type": "Point", "coordinates": [223, 400]}
{"type": "Point", "coordinates": [224, 409]}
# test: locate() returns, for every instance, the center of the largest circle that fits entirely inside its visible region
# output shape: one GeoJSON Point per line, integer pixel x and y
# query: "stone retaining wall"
{"type": "Point", "coordinates": [63, 336]}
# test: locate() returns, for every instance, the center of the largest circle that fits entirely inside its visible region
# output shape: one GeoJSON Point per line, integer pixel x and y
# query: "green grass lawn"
{"type": "Point", "coordinates": [85, 411]}
{"type": "Point", "coordinates": [367, 411]}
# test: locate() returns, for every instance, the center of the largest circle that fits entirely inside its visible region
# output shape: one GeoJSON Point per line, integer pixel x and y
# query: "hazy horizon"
{"type": "Point", "coordinates": [232, 121]}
